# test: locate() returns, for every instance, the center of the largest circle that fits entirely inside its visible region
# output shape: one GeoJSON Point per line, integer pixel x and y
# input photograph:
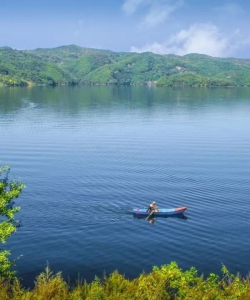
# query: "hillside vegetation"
{"type": "Point", "coordinates": [69, 65]}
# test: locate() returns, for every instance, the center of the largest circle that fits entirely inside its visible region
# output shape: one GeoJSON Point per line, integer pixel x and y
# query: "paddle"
{"type": "Point", "coordinates": [150, 215]}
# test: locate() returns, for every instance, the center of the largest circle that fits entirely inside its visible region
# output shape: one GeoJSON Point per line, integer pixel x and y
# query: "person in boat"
{"type": "Point", "coordinates": [152, 207]}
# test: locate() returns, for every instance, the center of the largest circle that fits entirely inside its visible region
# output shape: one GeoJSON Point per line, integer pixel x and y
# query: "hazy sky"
{"type": "Point", "coordinates": [214, 27]}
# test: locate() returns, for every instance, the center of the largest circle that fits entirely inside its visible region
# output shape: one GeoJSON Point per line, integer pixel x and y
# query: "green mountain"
{"type": "Point", "coordinates": [72, 64]}
{"type": "Point", "coordinates": [22, 67]}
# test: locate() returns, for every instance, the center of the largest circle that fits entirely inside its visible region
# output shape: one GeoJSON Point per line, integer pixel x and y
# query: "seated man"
{"type": "Point", "coordinates": [152, 207]}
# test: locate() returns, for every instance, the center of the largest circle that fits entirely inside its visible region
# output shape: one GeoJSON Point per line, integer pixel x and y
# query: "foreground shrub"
{"type": "Point", "coordinates": [167, 282]}
{"type": "Point", "coordinates": [9, 191]}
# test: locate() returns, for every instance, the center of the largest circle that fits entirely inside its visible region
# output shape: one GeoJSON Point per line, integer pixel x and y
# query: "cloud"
{"type": "Point", "coordinates": [155, 11]}
{"type": "Point", "coordinates": [130, 6]}
{"type": "Point", "coordinates": [158, 14]}
{"type": "Point", "coordinates": [198, 38]}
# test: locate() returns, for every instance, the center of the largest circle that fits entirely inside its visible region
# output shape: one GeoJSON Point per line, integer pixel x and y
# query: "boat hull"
{"type": "Point", "coordinates": [162, 212]}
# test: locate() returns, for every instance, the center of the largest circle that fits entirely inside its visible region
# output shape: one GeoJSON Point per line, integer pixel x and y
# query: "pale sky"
{"type": "Point", "coordinates": [215, 27]}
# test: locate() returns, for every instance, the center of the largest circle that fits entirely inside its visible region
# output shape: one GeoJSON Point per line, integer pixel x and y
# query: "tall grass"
{"type": "Point", "coordinates": [166, 282]}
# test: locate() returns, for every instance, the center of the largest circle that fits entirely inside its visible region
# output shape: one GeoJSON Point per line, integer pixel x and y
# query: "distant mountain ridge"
{"type": "Point", "coordinates": [70, 65]}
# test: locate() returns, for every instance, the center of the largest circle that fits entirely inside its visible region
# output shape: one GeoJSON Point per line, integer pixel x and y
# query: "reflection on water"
{"type": "Point", "coordinates": [73, 100]}
{"type": "Point", "coordinates": [152, 219]}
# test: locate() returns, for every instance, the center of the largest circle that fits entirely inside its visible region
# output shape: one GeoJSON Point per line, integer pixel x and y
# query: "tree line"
{"type": "Point", "coordinates": [71, 65]}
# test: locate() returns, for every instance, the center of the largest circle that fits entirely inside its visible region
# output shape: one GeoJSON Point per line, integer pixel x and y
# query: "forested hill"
{"type": "Point", "coordinates": [76, 65]}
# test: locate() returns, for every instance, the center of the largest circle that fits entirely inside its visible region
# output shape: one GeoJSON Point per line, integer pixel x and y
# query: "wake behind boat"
{"type": "Point", "coordinates": [161, 212]}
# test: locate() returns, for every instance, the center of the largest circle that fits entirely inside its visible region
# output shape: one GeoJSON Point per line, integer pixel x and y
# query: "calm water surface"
{"type": "Point", "coordinates": [88, 155]}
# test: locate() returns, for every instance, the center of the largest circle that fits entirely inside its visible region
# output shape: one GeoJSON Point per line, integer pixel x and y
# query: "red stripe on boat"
{"type": "Point", "coordinates": [180, 208]}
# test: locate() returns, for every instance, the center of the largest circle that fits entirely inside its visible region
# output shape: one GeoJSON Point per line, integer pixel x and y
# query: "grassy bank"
{"type": "Point", "coordinates": [167, 282]}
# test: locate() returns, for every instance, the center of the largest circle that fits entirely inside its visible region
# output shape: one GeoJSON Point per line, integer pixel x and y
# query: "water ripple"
{"type": "Point", "coordinates": [86, 166]}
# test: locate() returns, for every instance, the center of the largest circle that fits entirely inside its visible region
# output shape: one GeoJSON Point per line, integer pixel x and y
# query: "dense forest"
{"type": "Point", "coordinates": [70, 65]}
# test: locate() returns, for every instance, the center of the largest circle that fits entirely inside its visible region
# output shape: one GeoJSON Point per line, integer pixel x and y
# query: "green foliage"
{"type": "Point", "coordinates": [49, 286]}
{"type": "Point", "coordinates": [21, 67]}
{"type": "Point", "coordinates": [9, 190]}
{"type": "Point", "coordinates": [13, 81]}
{"type": "Point", "coordinates": [168, 282]}
{"type": "Point", "coordinates": [5, 265]}
{"type": "Point", "coordinates": [76, 65]}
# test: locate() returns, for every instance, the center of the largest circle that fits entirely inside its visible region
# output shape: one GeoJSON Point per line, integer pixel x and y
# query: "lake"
{"type": "Point", "coordinates": [88, 155]}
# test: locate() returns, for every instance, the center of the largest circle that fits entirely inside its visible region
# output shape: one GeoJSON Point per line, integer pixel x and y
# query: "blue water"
{"type": "Point", "coordinates": [88, 155]}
